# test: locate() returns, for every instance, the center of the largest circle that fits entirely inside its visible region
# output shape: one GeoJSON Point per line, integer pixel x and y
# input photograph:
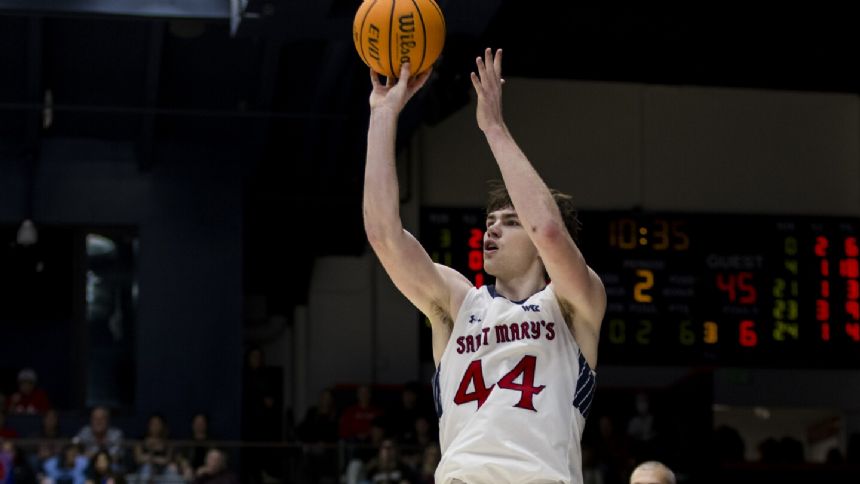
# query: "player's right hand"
{"type": "Point", "coordinates": [396, 92]}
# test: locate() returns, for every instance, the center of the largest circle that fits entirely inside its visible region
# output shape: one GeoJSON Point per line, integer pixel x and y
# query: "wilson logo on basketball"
{"type": "Point", "coordinates": [406, 38]}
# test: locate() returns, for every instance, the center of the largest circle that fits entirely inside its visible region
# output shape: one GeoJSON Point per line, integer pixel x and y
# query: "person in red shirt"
{"type": "Point", "coordinates": [356, 420]}
{"type": "Point", "coordinates": [28, 400]}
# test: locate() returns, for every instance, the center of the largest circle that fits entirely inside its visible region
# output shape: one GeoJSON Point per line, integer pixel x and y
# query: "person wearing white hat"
{"type": "Point", "coordinates": [29, 399]}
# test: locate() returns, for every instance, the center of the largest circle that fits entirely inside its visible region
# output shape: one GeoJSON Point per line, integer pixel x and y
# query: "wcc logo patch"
{"type": "Point", "coordinates": [531, 307]}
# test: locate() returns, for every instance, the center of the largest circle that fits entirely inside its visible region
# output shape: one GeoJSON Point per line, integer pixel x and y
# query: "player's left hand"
{"type": "Point", "coordinates": [488, 84]}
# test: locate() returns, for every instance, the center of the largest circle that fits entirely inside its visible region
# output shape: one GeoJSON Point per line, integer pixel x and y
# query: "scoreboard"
{"type": "Point", "coordinates": [703, 289]}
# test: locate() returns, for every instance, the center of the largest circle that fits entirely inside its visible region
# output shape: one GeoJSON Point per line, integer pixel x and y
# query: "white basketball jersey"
{"type": "Point", "coordinates": [512, 390]}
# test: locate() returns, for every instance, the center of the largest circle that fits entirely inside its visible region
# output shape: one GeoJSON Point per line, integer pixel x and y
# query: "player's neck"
{"type": "Point", "coordinates": [519, 288]}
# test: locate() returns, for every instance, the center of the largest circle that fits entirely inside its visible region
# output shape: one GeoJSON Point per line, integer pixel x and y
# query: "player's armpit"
{"type": "Point", "coordinates": [430, 287]}
{"type": "Point", "coordinates": [573, 281]}
{"type": "Point", "coordinates": [458, 287]}
{"type": "Point", "coordinates": [585, 316]}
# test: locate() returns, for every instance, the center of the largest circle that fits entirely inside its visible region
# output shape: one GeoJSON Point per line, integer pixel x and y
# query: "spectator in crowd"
{"type": "Point", "coordinates": [262, 417]}
{"type": "Point", "coordinates": [363, 452]}
{"type": "Point", "coordinates": [99, 434]}
{"type": "Point", "coordinates": [29, 399]}
{"type": "Point", "coordinates": [641, 428]}
{"type": "Point", "coordinates": [194, 456]}
{"type": "Point", "coordinates": [318, 432]}
{"type": "Point", "coordinates": [403, 418]}
{"type": "Point", "coordinates": [652, 472]}
{"type": "Point", "coordinates": [378, 433]}
{"type": "Point", "coordinates": [320, 424]}
{"type": "Point", "coordinates": [215, 471]}
{"type": "Point", "coordinates": [100, 470]}
{"type": "Point", "coordinates": [5, 462]}
{"type": "Point", "coordinates": [51, 439]}
{"type": "Point", "coordinates": [427, 469]}
{"type": "Point", "coordinates": [424, 434]}
{"type": "Point", "coordinates": [153, 455]}
{"type": "Point", "coordinates": [6, 432]}
{"type": "Point", "coordinates": [592, 471]}
{"type": "Point", "coordinates": [387, 467]}
{"type": "Point", "coordinates": [262, 405]}
{"type": "Point", "coordinates": [612, 452]}
{"type": "Point", "coordinates": [14, 468]}
{"type": "Point", "coordinates": [355, 423]}
{"type": "Point", "coordinates": [68, 468]}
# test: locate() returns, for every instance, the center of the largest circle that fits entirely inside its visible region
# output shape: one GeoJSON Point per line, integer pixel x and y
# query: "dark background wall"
{"type": "Point", "coordinates": [189, 219]}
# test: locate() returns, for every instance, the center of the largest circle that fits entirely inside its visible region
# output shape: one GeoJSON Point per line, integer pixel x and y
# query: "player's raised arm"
{"type": "Point", "coordinates": [434, 289]}
{"type": "Point", "coordinates": [574, 282]}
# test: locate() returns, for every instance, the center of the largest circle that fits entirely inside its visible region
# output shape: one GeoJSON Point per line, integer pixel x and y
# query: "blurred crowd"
{"type": "Point", "coordinates": [99, 452]}
{"type": "Point", "coordinates": [353, 434]}
{"type": "Point", "coordinates": [345, 437]}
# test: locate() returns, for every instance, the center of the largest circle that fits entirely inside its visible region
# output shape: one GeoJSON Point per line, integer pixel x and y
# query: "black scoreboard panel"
{"type": "Point", "coordinates": [704, 289]}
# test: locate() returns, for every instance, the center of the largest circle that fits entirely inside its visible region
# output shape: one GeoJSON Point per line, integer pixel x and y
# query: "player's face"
{"type": "Point", "coordinates": [508, 250]}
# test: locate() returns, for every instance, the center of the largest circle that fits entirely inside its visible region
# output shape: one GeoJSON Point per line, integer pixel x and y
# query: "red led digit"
{"type": "Point", "coordinates": [476, 260]}
{"type": "Point", "coordinates": [821, 244]}
{"type": "Point", "coordinates": [853, 330]}
{"type": "Point", "coordinates": [853, 309]}
{"type": "Point", "coordinates": [479, 280]}
{"type": "Point", "coordinates": [476, 239]}
{"type": "Point", "coordinates": [851, 249]}
{"type": "Point", "coordinates": [747, 336]}
{"type": "Point", "coordinates": [849, 268]}
{"type": "Point", "coordinates": [822, 310]}
{"type": "Point", "coordinates": [746, 288]}
{"type": "Point", "coordinates": [853, 289]}
{"type": "Point", "coordinates": [726, 283]}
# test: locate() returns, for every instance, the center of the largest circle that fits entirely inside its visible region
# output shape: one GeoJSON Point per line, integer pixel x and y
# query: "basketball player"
{"type": "Point", "coordinates": [652, 472]}
{"type": "Point", "coordinates": [514, 379]}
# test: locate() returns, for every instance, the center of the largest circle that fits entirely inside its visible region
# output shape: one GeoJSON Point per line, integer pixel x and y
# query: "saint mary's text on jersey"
{"type": "Point", "coordinates": [506, 333]}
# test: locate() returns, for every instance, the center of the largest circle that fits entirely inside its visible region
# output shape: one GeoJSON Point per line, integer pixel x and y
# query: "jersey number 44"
{"type": "Point", "coordinates": [474, 377]}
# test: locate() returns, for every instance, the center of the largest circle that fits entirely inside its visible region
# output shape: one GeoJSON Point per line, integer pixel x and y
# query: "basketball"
{"type": "Point", "coordinates": [389, 33]}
